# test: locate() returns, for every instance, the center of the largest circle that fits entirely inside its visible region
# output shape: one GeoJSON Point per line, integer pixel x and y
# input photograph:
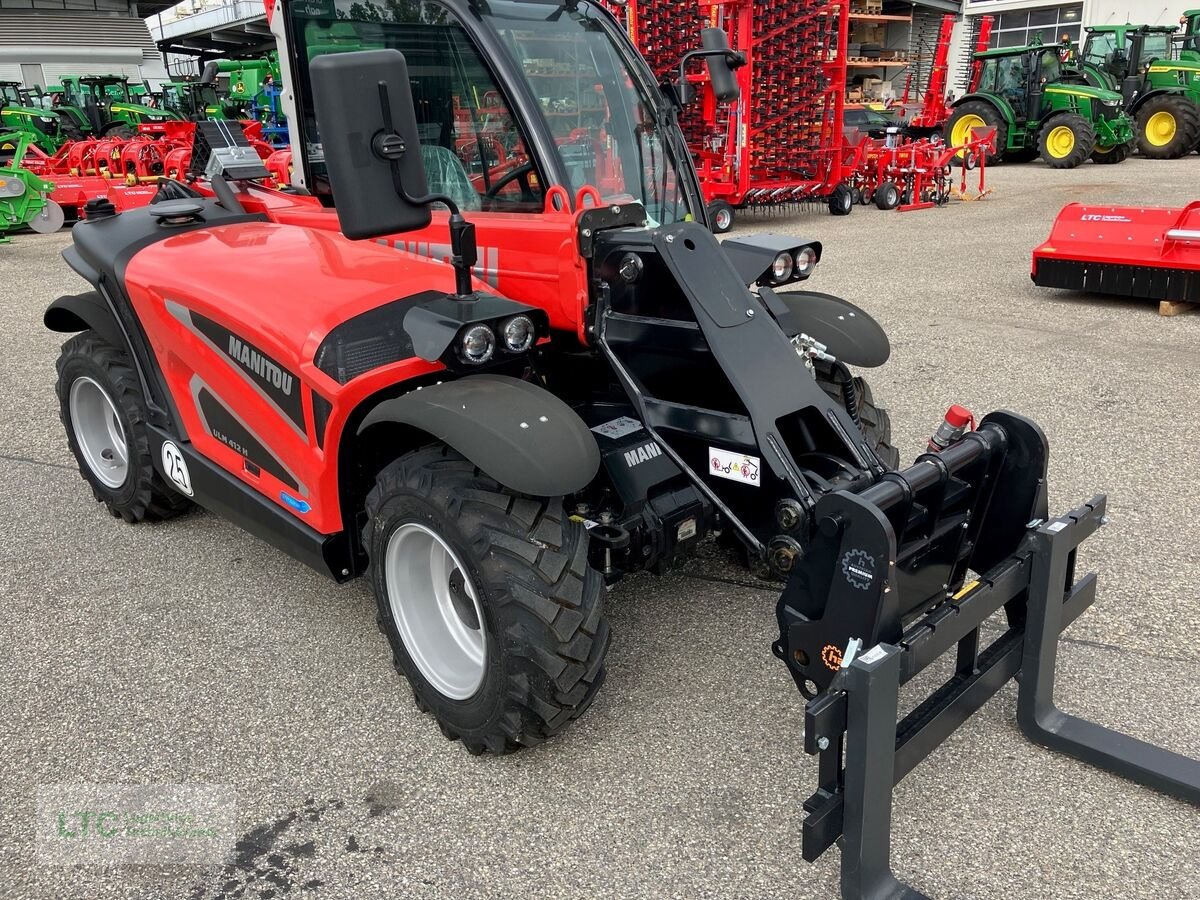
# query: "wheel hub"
{"type": "Point", "coordinates": [1160, 129]}
{"type": "Point", "coordinates": [98, 432]}
{"type": "Point", "coordinates": [436, 609]}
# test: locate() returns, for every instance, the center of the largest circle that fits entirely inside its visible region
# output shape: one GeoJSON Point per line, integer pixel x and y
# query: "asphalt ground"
{"type": "Point", "coordinates": [191, 653]}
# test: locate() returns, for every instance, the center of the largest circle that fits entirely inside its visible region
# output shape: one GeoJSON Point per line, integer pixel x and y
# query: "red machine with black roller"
{"type": "Point", "coordinates": [1145, 252]}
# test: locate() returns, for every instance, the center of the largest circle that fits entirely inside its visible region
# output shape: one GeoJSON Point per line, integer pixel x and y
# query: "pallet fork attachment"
{"type": "Point", "coordinates": [851, 724]}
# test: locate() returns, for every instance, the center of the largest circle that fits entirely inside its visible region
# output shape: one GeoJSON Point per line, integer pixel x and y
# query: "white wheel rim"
{"type": "Point", "coordinates": [724, 219]}
{"type": "Point", "coordinates": [98, 432]}
{"type": "Point", "coordinates": [432, 601]}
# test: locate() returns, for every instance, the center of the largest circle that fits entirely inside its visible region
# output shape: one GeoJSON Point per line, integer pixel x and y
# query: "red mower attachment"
{"type": "Point", "coordinates": [1150, 253]}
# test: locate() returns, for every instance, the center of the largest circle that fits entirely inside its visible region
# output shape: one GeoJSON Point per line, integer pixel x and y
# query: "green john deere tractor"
{"type": "Point", "coordinates": [1039, 107]}
{"type": "Point", "coordinates": [193, 100]}
{"type": "Point", "coordinates": [18, 113]}
{"type": "Point", "coordinates": [1160, 93]}
{"type": "Point", "coordinates": [105, 105]}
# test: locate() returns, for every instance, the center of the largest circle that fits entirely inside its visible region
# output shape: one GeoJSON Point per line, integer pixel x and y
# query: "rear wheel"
{"type": "Point", "coordinates": [488, 601]}
{"type": "Point", "coordinates": [1168, 127]}
{"type": "Point", "coordinates": [1066, 140]}
{"type": "Point", "coordinates": [720, 214]}
{"type": "Point", "coordinates": [976, 114]}
{"type": "Point", "coordinates": [104, 413]}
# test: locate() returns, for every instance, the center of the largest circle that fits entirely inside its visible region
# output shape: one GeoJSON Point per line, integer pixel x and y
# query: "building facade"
{"type": "Point", "coordinates": [42, 40]}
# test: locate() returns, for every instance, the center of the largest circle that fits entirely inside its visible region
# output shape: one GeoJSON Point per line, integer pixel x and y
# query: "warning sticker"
{"type": "Point", "coordinates": [618, 428]}
{"type": "Point", "coordinates": [735, 466]}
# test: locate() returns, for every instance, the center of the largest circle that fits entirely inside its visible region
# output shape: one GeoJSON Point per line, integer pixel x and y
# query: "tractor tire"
{"type": "Point", "coordinates": [887, 195]}
{"type": "Point", "coordinates": [488, 601]}
{"type": "Point", "coordinates": [1066, 140]}
{"type": "Point", "coordinates": [720, 215]}
{"type": "Point", "coordinates": [976, 114]}
{"type": "Point", "coordinates": [103, 410]}
{"type": "Point", "coordinates": [1168, 127]}
{"type": "Point", "coordinates": [841, 201]}
{"type": "Point", "coordinates": [117, 129]}
{"type": "Point", "coordinates": [1110, 156]}
{"type": "Point", "coordinates": [874, 421]}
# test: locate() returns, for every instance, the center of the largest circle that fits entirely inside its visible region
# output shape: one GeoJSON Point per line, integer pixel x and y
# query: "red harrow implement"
{"type": "Point", "coordinates": [1150, 253]}
{"type": "Point", "coordinates": [914, 174]}
{"type": "Point", "coordinates": [126, 171]}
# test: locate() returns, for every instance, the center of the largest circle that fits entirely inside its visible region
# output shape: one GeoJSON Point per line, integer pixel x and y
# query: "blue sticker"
{"type": "Point", "coordinates": [300, 506]}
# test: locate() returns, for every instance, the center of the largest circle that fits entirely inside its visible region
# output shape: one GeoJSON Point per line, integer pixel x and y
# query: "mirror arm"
{"type": "Point", "coordinates": [735, 60]}
{"type": "Point", "coordinates": [389, 145]}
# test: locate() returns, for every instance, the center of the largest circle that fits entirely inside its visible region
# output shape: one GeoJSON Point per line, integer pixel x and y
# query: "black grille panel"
{"type": "Point", "coordinates": [368, 341]}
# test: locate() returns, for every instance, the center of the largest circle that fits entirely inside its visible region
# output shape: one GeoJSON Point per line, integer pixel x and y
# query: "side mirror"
{"type": "Point", "coordinates": [368, 128]}
{"type": "Point", "coordinates": [720, 72]}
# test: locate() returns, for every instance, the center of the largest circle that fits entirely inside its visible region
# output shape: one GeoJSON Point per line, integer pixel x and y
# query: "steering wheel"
{"type": "Point", "coordinates": [522, 172]}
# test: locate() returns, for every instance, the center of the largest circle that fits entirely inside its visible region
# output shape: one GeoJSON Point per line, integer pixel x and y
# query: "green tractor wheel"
{"type": "Point", "coordinates": [1066, 140]}
{"type": "Point", "coordinates": [977, 114]}
{"type": "Point", "coordinates": [1168, 127]}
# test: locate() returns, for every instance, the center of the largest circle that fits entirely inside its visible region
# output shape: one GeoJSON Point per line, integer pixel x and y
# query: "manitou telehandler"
{"type": "Point", "coordinates": [490, 365]}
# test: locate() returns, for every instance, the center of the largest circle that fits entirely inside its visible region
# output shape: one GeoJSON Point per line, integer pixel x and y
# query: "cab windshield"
{"type": "Point", "coordinates": [607, 129]}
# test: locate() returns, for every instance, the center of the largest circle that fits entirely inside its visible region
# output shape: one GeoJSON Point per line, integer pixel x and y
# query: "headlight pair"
{"type": "Point", "coordinates": [477, 342]}
{"type": "Point", "coordinates": [788, 264]}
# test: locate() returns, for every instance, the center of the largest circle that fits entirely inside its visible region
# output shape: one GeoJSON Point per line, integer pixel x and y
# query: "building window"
{"type": "Point", "coordinates": [1051, 23]}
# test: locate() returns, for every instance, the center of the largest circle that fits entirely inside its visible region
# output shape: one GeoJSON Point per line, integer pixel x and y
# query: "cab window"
{"type": "Point", "coordinates": [472, 147]}
{"type": "Point", "coordinates": [1100, 48]}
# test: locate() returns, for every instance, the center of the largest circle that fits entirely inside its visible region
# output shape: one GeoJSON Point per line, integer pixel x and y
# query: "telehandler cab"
{"type": "Point", "coordinates": [490, 362]}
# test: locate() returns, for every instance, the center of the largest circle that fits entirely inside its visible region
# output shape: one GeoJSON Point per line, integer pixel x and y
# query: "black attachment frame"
{"type": "Point", "coordinates": [864, 752]}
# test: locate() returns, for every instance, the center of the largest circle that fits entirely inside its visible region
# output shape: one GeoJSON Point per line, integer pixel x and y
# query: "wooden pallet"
{"type": "Point", "coordinates": [867, 7]}
{"type": "Point", "coordinates": [1175, 307]}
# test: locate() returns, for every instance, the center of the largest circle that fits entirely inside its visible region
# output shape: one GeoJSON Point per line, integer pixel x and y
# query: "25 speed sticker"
{"type": "Point", "coordinates": [735, 466]}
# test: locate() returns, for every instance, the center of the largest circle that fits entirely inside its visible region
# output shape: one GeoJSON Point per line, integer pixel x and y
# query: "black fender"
{"type": "Point", "coordinates": [518, 433]}
{"type": "Point", "coordinates": [849, 333]}
{"type": "Point", "coordinates": [1143, 98]}
{"type": "Point", "coordinates": [81, 312]}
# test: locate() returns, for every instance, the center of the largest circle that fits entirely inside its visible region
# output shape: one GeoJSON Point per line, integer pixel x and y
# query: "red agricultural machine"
{"type": "Point", "coordinates": [783, 142]}
{"type": "Point", "coordinates": [125, 171]}
{"type": "Point", "coordinates": [1150, 253]}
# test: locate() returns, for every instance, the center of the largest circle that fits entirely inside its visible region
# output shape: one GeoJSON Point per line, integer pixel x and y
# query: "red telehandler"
{"type": "Point", "coordinates": [490, 383]}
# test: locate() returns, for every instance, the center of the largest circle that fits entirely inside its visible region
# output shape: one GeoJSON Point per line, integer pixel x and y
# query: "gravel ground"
{"type": "Point", "coordinates": [191, 653]}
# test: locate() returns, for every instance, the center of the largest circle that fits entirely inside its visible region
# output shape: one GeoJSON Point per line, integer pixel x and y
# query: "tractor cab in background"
{"type": "Point", "coordinates": [105, 104]}
{"type": "Point", "coordinates": [18, 113]}
{"type": "Point", "coordinates": [1161, 93]}
{"type": "Point", "coordinates": [192, 100]}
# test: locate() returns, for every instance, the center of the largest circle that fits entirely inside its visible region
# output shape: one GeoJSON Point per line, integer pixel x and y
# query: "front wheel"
{"type": "Point", "coordinates": [488, 601]}
{"type": "Point", "coordinates": [1066, 140]}
{"type": "Point", "coordinates": [855, 395]}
